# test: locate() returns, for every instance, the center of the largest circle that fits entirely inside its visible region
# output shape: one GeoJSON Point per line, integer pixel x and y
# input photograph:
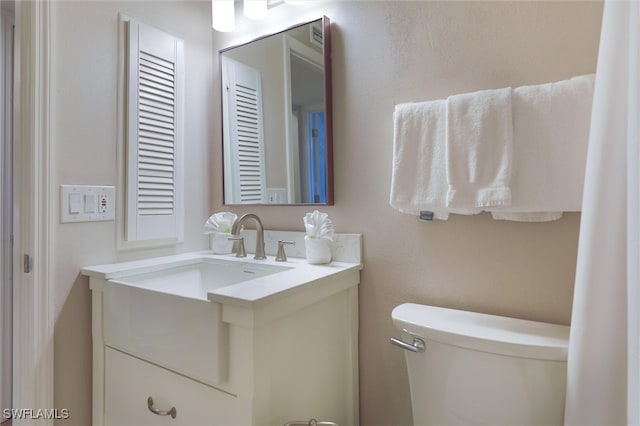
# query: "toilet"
{"type": "Point", "coordinates": [468, 368]}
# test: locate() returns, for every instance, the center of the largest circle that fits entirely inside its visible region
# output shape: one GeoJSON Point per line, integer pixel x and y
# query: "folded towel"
{"type": "Point", "coordinates": [220, 222]}
{"type": "Point", "coordinates": [479, 143]}
{"type": "Point", "coordinates": [550, 136]}
{"type": "Point", "coordinates": [418, 179]}
{"type": "Point", "coordinates": [318, 225]}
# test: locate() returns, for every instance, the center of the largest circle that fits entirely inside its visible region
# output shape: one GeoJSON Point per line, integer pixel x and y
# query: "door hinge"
{"type": "Point", "coordinates": [27, 263]}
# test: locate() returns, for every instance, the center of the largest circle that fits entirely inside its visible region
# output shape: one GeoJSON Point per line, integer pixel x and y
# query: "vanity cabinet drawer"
{"type": "Point", "coordinates": [129, 382]}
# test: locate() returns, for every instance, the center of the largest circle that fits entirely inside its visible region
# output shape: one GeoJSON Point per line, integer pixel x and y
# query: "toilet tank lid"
{"type": "Point", "coordinates": [484, 332]}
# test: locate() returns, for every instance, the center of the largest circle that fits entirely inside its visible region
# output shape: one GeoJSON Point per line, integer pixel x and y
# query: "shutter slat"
{"type": "Point", "coordinates": [152, 111]}
{"type": "Point", "coordinates": [154, 145]}
{"type": "Point", "coordinates": [158, 154]}
{"type": "Point", "coordinates": [159, 118]}
{"type": "Point", "coordinates": [152, 76]}
{"type": "Point", "coordinates": [156, 139]}
{"type": "Point", "coordinates": [156, 130]}
{"type": "Point", "coordinates": [149, 102]}
{"type": "Point", "coordinates": [153, 123]}
{"type": "Point", "coordinates": [157, 63]}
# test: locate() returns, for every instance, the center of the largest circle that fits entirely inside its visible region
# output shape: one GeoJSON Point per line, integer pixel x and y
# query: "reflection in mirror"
{"type": "Point", "coordinates": [276, 107]}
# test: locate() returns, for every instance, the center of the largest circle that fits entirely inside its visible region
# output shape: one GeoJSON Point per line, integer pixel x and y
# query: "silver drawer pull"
{"type": "Point", "coordinates": [417, 345]}
{"type": "Point", "coordinates": [172, 412]}
{"type": "Point", "coordinates": [312, 422]}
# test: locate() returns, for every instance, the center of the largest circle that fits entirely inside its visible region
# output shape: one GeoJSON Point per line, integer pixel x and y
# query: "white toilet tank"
{"type": "Point", "coordinates": [479, 369]}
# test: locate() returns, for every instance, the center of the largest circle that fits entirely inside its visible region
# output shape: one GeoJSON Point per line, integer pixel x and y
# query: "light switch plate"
{"type": "Point", "coordinates": [87, 203]}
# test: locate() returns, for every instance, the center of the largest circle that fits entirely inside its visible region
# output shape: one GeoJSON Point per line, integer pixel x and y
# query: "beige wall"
{"type": "Point", "coordinates": [383, 53]}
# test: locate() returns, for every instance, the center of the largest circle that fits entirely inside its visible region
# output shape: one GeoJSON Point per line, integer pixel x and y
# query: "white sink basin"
{"type": "Point", "coordinates": [144, 317]}
{"type": "Point", "coordinates": [194, 280]}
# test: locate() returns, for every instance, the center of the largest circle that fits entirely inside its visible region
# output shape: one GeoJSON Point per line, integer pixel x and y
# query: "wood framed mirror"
{"type": "Point", "coordinates": [277, 118]}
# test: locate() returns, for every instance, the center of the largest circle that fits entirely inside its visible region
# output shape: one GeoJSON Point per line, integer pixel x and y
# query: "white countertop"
{"type": "Point", "coordinates": [247, 293]}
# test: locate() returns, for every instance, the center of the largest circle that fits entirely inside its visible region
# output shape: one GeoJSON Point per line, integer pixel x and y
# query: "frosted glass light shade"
{"type": "Point", "coordinates": [255, 9]}
{"type": "Point", "coordinates": [223, 15]}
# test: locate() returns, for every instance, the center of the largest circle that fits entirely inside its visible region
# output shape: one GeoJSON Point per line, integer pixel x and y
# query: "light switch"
{"type": "Point", "coordinates": [87, 203]}
{"type": "Point", "coordinates": [90, 203]}
{"type": "Point", "coordinates": [75, 203]}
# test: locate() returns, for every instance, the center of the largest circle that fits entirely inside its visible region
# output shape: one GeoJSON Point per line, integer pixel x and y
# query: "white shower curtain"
{"type": "Point", "coordinates": [603, 367]}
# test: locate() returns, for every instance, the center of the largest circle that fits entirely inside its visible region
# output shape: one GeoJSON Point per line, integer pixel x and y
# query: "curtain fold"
{"type": "Point", "coordinates": [633, 220]}
{"type": "Point", "coordinates": [602, 376]}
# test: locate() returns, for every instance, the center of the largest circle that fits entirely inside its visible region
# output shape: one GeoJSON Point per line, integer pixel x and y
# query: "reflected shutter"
{"type": "Point", "coordinates": [244, 136]}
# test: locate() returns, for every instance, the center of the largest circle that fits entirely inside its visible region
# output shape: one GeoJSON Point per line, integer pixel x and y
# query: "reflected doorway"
{"type": "Point", "coordinates": [315, 167]}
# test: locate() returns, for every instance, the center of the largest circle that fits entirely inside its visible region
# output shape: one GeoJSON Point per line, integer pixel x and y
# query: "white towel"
{"type": "Point", "coordinates": [479, 143]}
{"type": "Point", "coordinates": [418, 179]}
{"type": "Point", "coordinates": [550, 136]}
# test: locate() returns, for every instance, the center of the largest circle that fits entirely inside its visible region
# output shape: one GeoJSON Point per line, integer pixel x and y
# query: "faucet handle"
{"type": "Point", "coordinates": [240, 252]}
{"type": "Point", "coordinates": [281, 256]}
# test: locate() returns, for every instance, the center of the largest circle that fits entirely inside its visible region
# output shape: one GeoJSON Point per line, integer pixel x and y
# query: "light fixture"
{"type": "Point", "coordinates": [255, 9]}
{"type": "Point", "coordinates": [223, 15]}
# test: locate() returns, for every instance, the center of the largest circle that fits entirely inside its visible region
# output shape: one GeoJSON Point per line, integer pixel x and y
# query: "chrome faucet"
{"type": "Point", "coordinates": [237, 226]}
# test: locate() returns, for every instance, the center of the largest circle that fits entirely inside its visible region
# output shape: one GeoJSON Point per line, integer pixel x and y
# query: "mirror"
{"type": "Point", "coordinates": [277, 123]}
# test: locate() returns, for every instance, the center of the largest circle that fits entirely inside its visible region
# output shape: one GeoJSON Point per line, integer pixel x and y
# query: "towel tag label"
{"type": "Point", "coordinates": [426, 215]}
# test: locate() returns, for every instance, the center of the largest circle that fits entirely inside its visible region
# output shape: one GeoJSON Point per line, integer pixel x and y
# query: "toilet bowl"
{"type": "Point", "coordinates": [468, 368]}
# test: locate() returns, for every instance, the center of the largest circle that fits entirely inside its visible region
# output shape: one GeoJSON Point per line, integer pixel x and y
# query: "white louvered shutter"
{"type": "Point", "coordinates": [155, 207]}
{"type": "Point", "coordinates": [244, 135]}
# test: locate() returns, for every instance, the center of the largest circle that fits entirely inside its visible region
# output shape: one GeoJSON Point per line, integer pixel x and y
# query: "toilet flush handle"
{"type": "Point", "coordinates": [417, 345]}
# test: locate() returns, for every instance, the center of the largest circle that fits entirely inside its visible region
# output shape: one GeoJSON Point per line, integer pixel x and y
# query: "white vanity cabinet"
{"type": "Point", "coordinates": [286, 343]}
